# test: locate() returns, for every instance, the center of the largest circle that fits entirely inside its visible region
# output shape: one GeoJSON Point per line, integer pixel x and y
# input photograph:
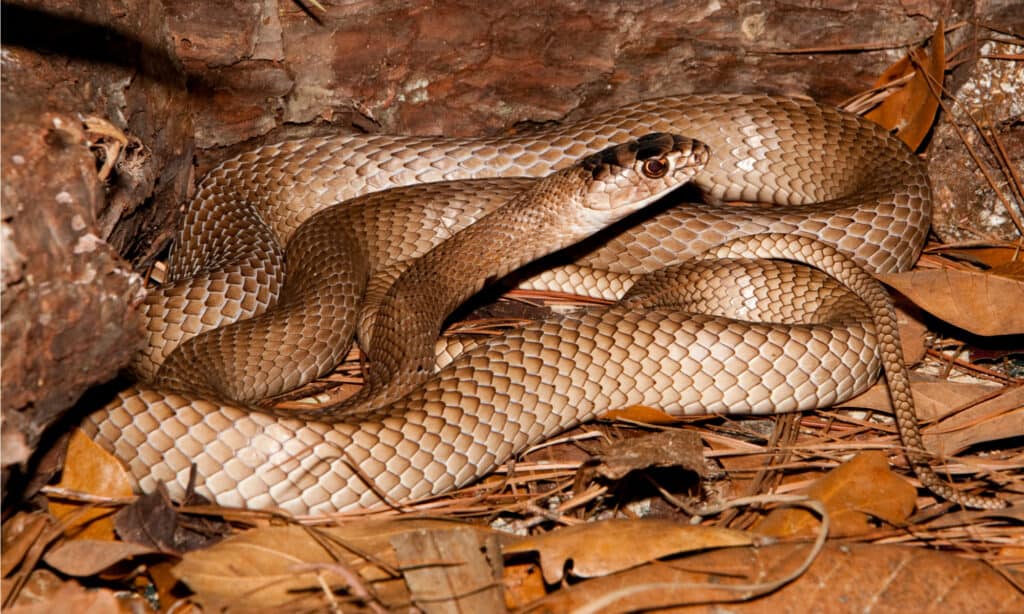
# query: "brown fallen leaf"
{"type": "Point", "coordinates": [1013, 270]}
{"type": "Point", "coordinates": [40, 586]}
{"type": "Point", "coordinates": [843, 578]}
{"type": "Point", "coordinates": [672, 448]}
{"type": "Point", "coordinates": [68, 597]}
{"type": "Point", "coordinates": [910, 110]}
{"type": "Point", "coordinates": [992, 413]}
{"type": "Point", "coordinates": [88, 557]}
{"type": "Point", "coordinates": [290, 567]}
{"type": "Point", "coordinates": [912, 336]}
{"type": "Point", "coordinates": [523, 583]}
{"type": "Point", "coordinates": [989, 257]}
{"type": "Point", "coordinates": [168, 589]}
{"type": "Point", "coordinates": [853, 493]}
{"type": "Point", "coordinates": [981, 303]}
{"type": "Point", "coordinates": [19, 533]}
{"type": "Point", "coordinates": [88, 468]}
{"type": "Point", "coordinates": [991, 420]}
{"type": "Point", "coordinates": [640, 413]}
{"type": "Point", "coordinates": [153, 521]}
{"type": "Point", "coordinates": [605, 547]}
{"type": "Point", "coordinates": [933, 398]}
{"type": "Point", "coordinates": [454, 570]}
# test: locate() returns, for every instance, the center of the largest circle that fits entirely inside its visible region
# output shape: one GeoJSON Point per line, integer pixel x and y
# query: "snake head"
{"type": "Point", "coordinates": [627, 177]}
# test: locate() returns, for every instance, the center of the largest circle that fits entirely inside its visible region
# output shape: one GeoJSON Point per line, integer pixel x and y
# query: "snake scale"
{"type": "Point", "coordinates": [692, 335]}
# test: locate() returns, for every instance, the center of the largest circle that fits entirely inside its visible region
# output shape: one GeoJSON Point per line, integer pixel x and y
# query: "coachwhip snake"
{"type": "Point", "coordinates": [835, 178]}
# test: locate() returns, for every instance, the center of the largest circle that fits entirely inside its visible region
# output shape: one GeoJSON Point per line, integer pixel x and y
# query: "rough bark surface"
{"type": "Point", "coordinates": [79, 92]}
{"type": "Point", "coordinates": [464, 67]}
{"type": "Point", "coordinates": [68, 302]}
{"type": "Point", "coordinates": [185, 79]}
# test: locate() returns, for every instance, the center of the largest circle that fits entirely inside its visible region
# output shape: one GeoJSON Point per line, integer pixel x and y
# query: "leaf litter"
{"type": "Point", "coordinates": [589, 524]}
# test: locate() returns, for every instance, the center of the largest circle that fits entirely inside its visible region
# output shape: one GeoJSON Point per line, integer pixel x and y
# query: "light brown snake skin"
{"type": "Point", "coordinates": [841, 180]}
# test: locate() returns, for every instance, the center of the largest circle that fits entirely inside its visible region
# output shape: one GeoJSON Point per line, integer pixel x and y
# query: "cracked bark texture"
{"type": "Point", "coordinates": [187, 82]}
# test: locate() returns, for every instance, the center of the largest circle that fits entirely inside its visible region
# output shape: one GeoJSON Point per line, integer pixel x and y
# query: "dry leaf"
{"type": "Point", "coordinates": [662, 449]}
{"type": "Point", "coordinates": [166, 585]}
{"type": "Point", "coordinates": [911, 109]}
{"type": "Point", "coordinates": [992, 414]}
{"type": "Point", "coordinates": [843, 578]}
{"type": "Point", "coordinates": [933, 398]}
{"type": "Point", "coordinates": [991, 420]}
{"type": "Point", "coordinates": [448, 571]}
{"type": "Point", "coordinates": [19, 533]}
{"type": "Point", "coordinates": [153, 521]}
{"type": "Point", "coordinates": [1013, 270]}
{"type": "Point", "coordinates": [640, 413]}
{"type": "Point", "coordinates": [87, 557]}
{"type": "Point", "coordinates": [986, 256]}
{"type": "Point", "coordinates": [853, 493]}
{"type": "Point", "coordinates": [287, 567]}
{"type": "Point", "coordinates": [981, 303]}
{"type": "Point", "coordinates": [523, 583]}
{"type": "Point", "coordinates": [90, 469]}
{"type": "Point", "coordinates": [69, 597]}
{"type": "Point", "coordinates": [608, 546]}
{"type": "Point", "coordinates": [912, 336]}
{"type": "Point", "coordinates": [39, 588]}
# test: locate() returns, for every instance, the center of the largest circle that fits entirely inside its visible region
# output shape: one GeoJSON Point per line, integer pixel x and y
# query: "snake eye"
{"type": "Point", "coordinates": [655, 167]}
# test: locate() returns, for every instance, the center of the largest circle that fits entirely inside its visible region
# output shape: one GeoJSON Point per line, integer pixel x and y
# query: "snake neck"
{"type": "Point", "coordinates": [532, 224]}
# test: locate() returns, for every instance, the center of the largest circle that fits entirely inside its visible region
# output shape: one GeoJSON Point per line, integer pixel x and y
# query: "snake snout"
{"type": "Point", "coordinates": [698, 156]}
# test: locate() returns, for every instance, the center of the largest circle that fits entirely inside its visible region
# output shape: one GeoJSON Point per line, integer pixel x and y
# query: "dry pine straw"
{"type": "Point", "coordinates": [551, 486]}
{"type": "Point", "coordinates": [543, 488]}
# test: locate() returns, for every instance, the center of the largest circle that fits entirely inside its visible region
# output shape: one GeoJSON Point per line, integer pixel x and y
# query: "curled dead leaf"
{"type": "Point", "coordinates": [291, 567]}
{"type": "Point", "coordinates": [642, 414]}
{"type": "Point", "coordinates": [981, 303]}
{"type": "Point", "coordinates": [912, 336]}
{"type": "Point", "coordinates": [601, 548]}
{"type": "Point", "coordinates": [964, 414]}
{"type": "Point", "coordinates": [45, 593]}
{"type": "Point", "coordinates": [853, 493]}
{"type": "Point", "coordinates": [910, 110]}
{"type": "Point", "coordinates": [88, 468]}
{"type": "Point", "coordinates": [87, 557]}
{"type": "Point", "coordinates": [153, 521]}
{"type": "Point", "coordinates": [20, 532]}
{"type": "Point", "coordinates": [672, 448]}
{"type": "Point", "coordinates": [457, 569]}
{"type": "Point", "coordinates": [1002, 259]}
{"type": "Point", "coordinates": [843, 578]}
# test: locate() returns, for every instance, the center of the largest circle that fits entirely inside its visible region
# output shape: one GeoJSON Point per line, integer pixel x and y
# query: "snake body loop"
{"type": "Point", "coordinates": [833, 178]}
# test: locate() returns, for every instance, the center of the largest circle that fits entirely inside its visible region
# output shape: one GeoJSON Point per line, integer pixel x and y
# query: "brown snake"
{"type": "Point", "coordinates": [836, 177]}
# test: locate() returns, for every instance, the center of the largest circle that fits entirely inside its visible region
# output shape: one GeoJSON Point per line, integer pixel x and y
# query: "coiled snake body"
{"type": "Point", "coordinates": [834, 178]}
